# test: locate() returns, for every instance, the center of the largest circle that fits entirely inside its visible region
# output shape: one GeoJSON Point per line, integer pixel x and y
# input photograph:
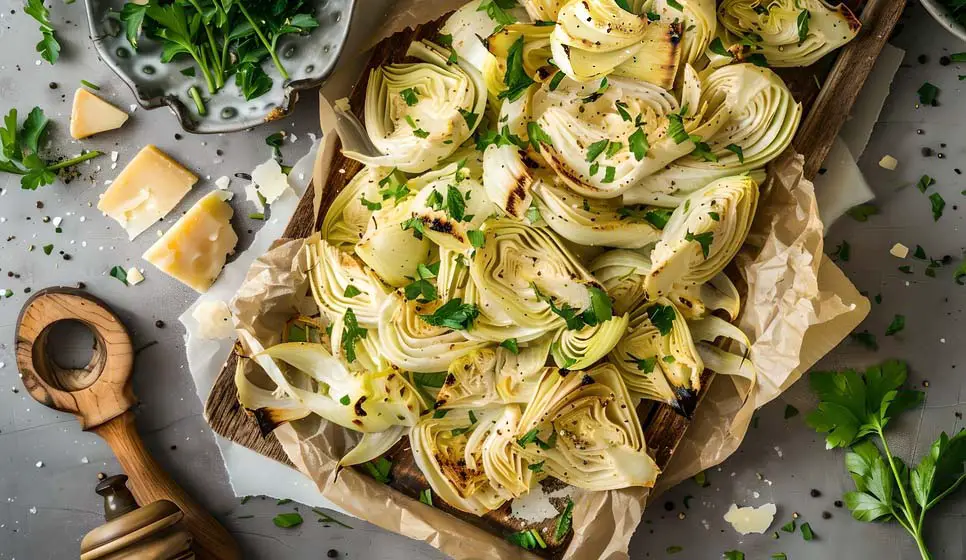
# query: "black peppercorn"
{"type": "Point", "coordinates": [926, 151]}
{"type": "Point", "coordinates": [332, 553]}
{"type": "Point", "coordinates": [668, 506]}
{"type": "Point", "coordinates": [944, 60]}
{"type": "Point", "coordinates": [838, 503]}
{"type": "Point", "coordinates": [815, 493]}
{"type": "Point", "coordinates": [826, 515]}
{"type": "Point", "coordinates": [159, 324]}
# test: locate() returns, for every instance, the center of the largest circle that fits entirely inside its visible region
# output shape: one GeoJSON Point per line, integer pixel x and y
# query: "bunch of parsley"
{"type": "Point", "coordinates": [223, 37]}
{"type": "Point", "coordinates": [20, 150]}
{"type": "Point", "coordinates": [854, 412]}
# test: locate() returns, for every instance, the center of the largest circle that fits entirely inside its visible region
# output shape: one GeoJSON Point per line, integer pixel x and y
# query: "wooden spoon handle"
{"type": "Point", "coordinates": [149, 483]}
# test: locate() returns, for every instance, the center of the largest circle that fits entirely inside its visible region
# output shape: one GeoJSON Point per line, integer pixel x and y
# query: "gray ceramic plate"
{"type": "Point", "coordinates": [941, 14]}
{"type": "Point", "coordinates": [309, 60]}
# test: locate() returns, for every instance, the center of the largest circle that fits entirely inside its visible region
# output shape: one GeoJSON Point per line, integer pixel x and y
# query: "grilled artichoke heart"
{"type": "Point", "coordinates": [584, 428]}
{"type": "Point", "coordinates": [415, 111]}
{"type": "Point", "coordinates": [783, 32]}
{"type": "Point", "coordinates": [703, 235]}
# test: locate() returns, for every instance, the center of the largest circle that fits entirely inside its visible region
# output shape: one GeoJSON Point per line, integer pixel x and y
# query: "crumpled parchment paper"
{"type": "Point", "coordinates": [798, 306]}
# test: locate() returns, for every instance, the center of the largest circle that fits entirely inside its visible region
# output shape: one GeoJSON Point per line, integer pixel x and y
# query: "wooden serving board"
{"type": "Point", "coordinates": [826, 109]}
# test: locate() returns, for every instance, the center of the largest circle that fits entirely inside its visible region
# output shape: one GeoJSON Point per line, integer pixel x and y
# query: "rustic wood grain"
{"type": "Point", "coordinates": [826, 110]}
{"type": "Point", "coordinates": [842, 85]}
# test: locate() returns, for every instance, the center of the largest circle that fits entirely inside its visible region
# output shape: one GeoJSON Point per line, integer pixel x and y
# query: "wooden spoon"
{"type": "Point", "coordinates": [101, 397]}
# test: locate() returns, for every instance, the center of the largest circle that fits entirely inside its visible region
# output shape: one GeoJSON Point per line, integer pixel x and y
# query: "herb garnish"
{"type": "Point", "coordinates": [516, 78]}
{"type": "Point", "coordinates": [927, 94]}
{"type": "Point", "coordinates": [862, 212]}
{"type": "Point", "coordinates": [421, 287]}
{"type": "Point", "coordinates": [897, 325]}
{"type": "Point", "coordinates": [564, 521]}
{"type": "Point", "coordinates": [530, 539]}
{"type": "Point", "coordinates": [379, 468]}
{"type": "Point", "coordinates": [48, 47]}
{"type": "Point", "coordinates": [511, 345]}
{"type": "Point", "coordinates": [855, 407]}
{"type": "Point", "coordinates": [704, 239]}
{"type": "Point", "coordinates": [21, 146]}
{"type": "Point", "coordinates": [454, 314]}
{"type": "Point", "coordinates": [662, 317]}
{"type": "Point", "coordinates": [351, 334]}
{"type": "Point", "coordinates": [287, 520]}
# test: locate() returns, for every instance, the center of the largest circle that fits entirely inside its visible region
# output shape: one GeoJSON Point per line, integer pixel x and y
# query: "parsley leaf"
{"type": "Point", "coordinates": [537, 136]}
{"type": "Point", "coordinates": [675, 128]}
{"type": "Point", "coordinates": [638, 145]}
{"type": "Point", "coordinates": [351, 334]}
{"type": "Point", "coordinates": [897, 325]}
{"type": "Point", "coordinates": [564, 521]}
{"type": "Point", "coordinates": [662, 317]}
{"type": "Point", "coordinates": [938, 203]}
{"type": "Point", "coordinates": [737, 151]}
{"type": "Point", "coordinates": [511, 345]}
{"type": "Point", "coordinates": [287, 520]}
{"type": "Point", "coordinates": [409, 96]}
{"type": "Point", "coordinates": [717, 47]}
{"type": "Point", "coordinates": [924, 183]}
{"type": "Point", "coordinates": [516, 78]}
{"type": "Point", "coordinates": [48, 47]}
{"type": "Point", "coordinates": [454, 314]}
{"type": "Point", "coordinates": [704, 239]}
{"type": "Point", "coordinates": [594, 150]}
{"type": "Point", "coordinates": [379, 469]}
{"type": "Point", "coordinates": [803, 17]}
{"type": "Point", "coordinates": [927, 94]}
{"type": "Point", "coordinates": [421, 287]}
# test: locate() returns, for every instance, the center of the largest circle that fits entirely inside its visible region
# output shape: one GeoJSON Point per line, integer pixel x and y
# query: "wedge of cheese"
{"type": "Point", "coordinates": [146, 190]}
{"type": "Point", "coordinates": [194, 250]}
{"type": "Point", "coordinates": [91, 115]}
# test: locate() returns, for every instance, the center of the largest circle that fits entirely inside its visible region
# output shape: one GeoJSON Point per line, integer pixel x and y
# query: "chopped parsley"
{"type": "Point", "coordinates": [426, 497]}
{"type": "Point", "coordinates": [345, 400]}
{"type": "Point", "coordinates": [737, 151]}
{"type": "Point", "coordinates": [843, 252]}
{"type": "Point", "coordinates": [511, 344]}
{"type": "Point", "coordinates": [866, 339]}
{"type": "Point", "coordinates": [537, 136]}
{"type": "Point", "coordinates": [927, 94]}
{"type": "Point", "coordinates": [638, 145]}
{"type": "Point", "coordinates": [351, 334]}
{"type": "Point", "coordinates": [351, 291]}
{"type": "Point", "coordinates": [896, 326]}
{"type": "Point", "coordinates": [421, 287]}
{"type": "Point", "coordinates": [116, 272]}
{"type": "Point", "coordinates": [288, 520]}
{"type": "Point", "coordinates": [476, 238]}
{"type": "Point", "coordinates": [393, 186]}
{"type": "Point", "coordinates": [622, 110]}
{"type": "Point", "coordinates": [675, 128]}
{"type": "Point", "coordinates": [803, 17]}
{"type": "Point", "coordinates": [924, 183]}
{"type": "Point", "coordinates": [529, 539]}
{"type": "Point", "coordinates": [598, 92]}
{"type": "Point", "coordinates": [938, 203]}
{"type": "Point", "coordinates": [516, 78]}
{"type": "Point", "coordinates": [662, 317]}
{"type": "Point", "coordinates": [717, 47]}
{"type": "Point", "coordinates": [704, 239]}
{"type": "Point", "coordinates": [595, 149]}
{"type": "Point", "coordinates": [417, 132]}
{"type": "Point", "coordinates": [862, 212]}
{"type": "Point", "coordinates": [416, 225]}
{"type": "Point", "coordinates": [379, 469]}
{"type": "Point", "coordinates": [409, 96]}
{"type": "Point", "coordinates": [454, 314]}
{"type": "Point", "coordinates": [497, 11]}
{"type": "Point", "coordinates": [564, 522]}
{"type": "Point", "coordinates": [371, 206]}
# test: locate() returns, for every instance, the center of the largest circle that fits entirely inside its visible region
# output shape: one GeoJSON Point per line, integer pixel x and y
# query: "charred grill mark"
{"type": "Point", "coordinates": [358, 407]}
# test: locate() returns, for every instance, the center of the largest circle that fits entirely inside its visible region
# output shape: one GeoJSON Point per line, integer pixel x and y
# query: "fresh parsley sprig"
{"type": "Point", "coordinates": [48, 47]}
{"type": "Point", "coordinates": [854, 412]}
{"type": "Point", "coordinates": [20, 150]}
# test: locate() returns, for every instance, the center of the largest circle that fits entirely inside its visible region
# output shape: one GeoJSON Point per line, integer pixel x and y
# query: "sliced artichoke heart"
{"type": "Point", "coordinates": [582, 348]}
{"type": "Point", "coordinates": [348, 217]}
{"type": "Point", "coordinates": [518, 374]}
{"type": "Point", "coordinates": [751, 118]}
{"type": "Point", "coordinates": [786, 33]}
{"type": "Point", "coordinates": [703, 235]}
{"type": "Point", "coordinates": [519, 268]}
{"type": "Point", "coordinates": [415, 112]}
{"type": "Point", "coordinates": [593, 38]}
{"type": "Point", "coordinates": [657, 358]}
{"type": "Point", "coordinates": [391, 251]}
{"type": "Point", "coordinates": [467, 459]}
{"type": "Point", "coordinates": [470, 381]}
{"type": "Point", "coordinates": [339, 280]}
{"type": "Point", "coordinates": [588, 221]}
{"type": "Point", "coordinates": [411, 343]}
{"type": "Point", "coordinates": [600, 151]}
{"type": "Point", "coordinates": [584, 428]}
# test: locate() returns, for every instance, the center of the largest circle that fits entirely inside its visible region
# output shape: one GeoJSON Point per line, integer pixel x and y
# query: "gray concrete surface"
{"type": "Point", "coordinates": [45, 510]}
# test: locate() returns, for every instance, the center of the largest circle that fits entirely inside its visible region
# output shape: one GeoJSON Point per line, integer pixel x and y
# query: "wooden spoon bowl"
{"type": "Point", "coordinates": [101, 396]}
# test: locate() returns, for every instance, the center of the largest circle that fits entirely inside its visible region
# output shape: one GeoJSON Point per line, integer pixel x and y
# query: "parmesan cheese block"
{"type": "Point", "coordinates": [146, 190]}
{"type": "Point", "coordinates": [194, 250]}
{"type": "Point", "coordinates": [91, 115]}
